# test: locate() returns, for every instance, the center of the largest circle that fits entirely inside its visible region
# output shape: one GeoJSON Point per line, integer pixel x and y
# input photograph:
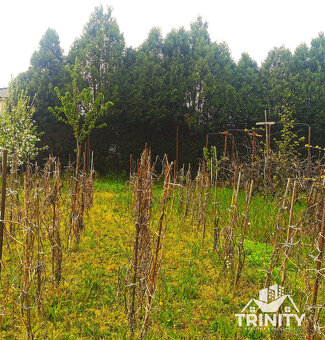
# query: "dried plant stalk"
{"type": "Point", "coordinates": [75, 216]}
{"type": "Point", "coordinates": [277, 233]}
{"type": "Point", "coordinates": [188, 190]}
{"type": "Point", "coordinates": [216, 228]}
{"type": "Point", "coordinates": [319, 261]}
{"type": "Point", "coordinates": [156, 261]}
{"type": "Point", "coordinates": [230, 228]}
{"type": "Point", "coordinates": [55, 232]}
{"type": "Point", "coordinates": [39, 265]}
{"type": "Point", "coordinates": [244, 224]}
{"type": "Point", "coordinates": [3, 201]}
{"type": "Point", "coordinates": [28, 258]}
{"type": "Point", "coordinates": [289, 240]}
{"type": "Point", "coordinates": [14, 195]}
{"type": "Point", "coordinates": [140, 264]}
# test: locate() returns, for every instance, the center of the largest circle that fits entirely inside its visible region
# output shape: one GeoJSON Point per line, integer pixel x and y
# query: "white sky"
{"type": "Point", "coordinates": [253, 26]}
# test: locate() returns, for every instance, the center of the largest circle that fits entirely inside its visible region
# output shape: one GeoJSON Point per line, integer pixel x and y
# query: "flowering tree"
{"type": "Point", "coordinates": [18, 132]}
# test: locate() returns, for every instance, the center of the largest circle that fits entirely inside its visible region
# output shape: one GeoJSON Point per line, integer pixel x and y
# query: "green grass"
{"type": "Point", "coordinates": [195, 299]}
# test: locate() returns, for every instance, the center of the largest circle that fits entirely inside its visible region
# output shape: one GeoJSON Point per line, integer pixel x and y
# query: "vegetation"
{"type": "Point", "coordinates": [80, 110]}
{"type": "Point", "coordinates": [40, 229]}
{"type": "Point", "coordinates": [18, 132]}
{"type": "Point", "coordinates": [183, 79]}
{"type": "Point", "coordinates": [146, 260]}
{"type": "Point", "coordinates": [175, 250]}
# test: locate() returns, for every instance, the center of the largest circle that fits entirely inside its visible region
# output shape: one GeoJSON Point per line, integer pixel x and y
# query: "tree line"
{"type": "Point", "coordinates": [183, 80]}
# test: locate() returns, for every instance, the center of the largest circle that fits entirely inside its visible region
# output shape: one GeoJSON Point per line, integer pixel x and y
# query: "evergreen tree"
{"type": "Point", "coordinates": [276, 80]}
{"type": "Point", "coordinates": [250, 108]}
{"type": "Point", "coordinates": [100, 51]}
{"type": "Point", "coordinates": [46, 71]}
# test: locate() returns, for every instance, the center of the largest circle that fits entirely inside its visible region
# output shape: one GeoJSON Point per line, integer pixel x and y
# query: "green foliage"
{"type": "Point", "coordinates": [99, 50]}
{"type": "Point", "coordinates": [288, 144]}
{"type": "Point", "coordinates": [276, 79]}
{"type": "Point", "coordinates": [248, 90]}
{"type": "Point", "coordinates": [46, 72]}
{"type": "Point", "coordinates": [211, 161]}
{"type": "Point", "coordinates": [81, 109]}
{"type": "Point", "coordinates": [183, 79]}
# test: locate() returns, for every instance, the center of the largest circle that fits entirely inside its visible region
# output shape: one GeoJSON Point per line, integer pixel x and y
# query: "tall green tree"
{"type": "Point", "coordinates": [316, 115]}
{"type": "Point", "coordinates": [276, 79]}
{"type": "Point", "coordinates": [249, 105]}
{"type": "Point", "coordinates": [46, 71]}
{"type": "Point", "coordinates": [100, 50]}
{"type": "Point", "coordinates": [221, 91]}
{"type": "Point", "coordinates": [308, 69]}
{"type": "Point", "coordinates": [195, 95]}
{"type": "Point", "coordinates": [177, 59]}
{"type": "Point", "coordinates": [149, 93]}
{"type": "Point", "coordinates": [211, 94]}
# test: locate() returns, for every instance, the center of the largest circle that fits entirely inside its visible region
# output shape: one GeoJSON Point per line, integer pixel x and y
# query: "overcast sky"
{"type": "Point", "coordinates": [253, 26]}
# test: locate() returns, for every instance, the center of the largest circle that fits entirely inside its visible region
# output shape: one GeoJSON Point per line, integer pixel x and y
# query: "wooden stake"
{"type": "Point", "coordinates": [226, 134]}
{"type": "Point", "coordinates": [3, 200]}
{"type": "Point", "coordinates": [254, 135]}
{"type": "Point", "coordinates": [308, 158]}
{"type": "Point", "coordinates": [84, 160]}
{"type": "Point", "coordinates": [76, 189]}
{"type": "Point", "coordinates": [267, 132]}
{"type": "Point", "coordinates": [88, 154]}
{"type": "Point", "coordinates": [176, 161]}
{"type": "Point", "coordinates": [131, 161]}
{"type": "Point", "coordinates": [233, 148]}
{"type": "Point", "coordinates": [266, 135]}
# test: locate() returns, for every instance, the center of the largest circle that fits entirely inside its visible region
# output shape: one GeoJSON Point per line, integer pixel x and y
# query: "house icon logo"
{"type": "Point", "coordinates": [273, 307]}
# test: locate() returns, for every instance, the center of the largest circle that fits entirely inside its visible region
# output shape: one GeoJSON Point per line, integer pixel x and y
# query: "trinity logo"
{"type": "Point", "coordinates": [272, 308]}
